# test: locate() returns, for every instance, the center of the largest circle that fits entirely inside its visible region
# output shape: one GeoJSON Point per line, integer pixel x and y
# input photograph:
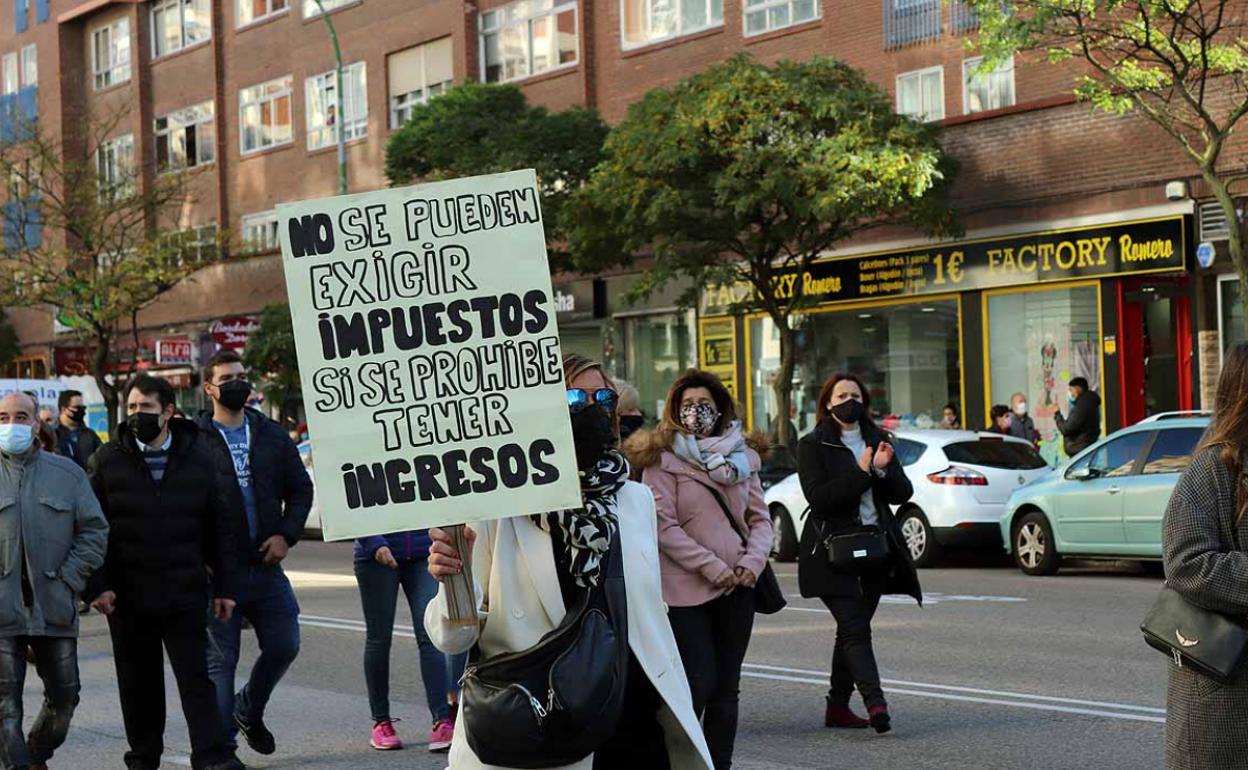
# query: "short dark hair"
{"type": "Point", "coordinates": [152, 386]}
{"type": "Point", "coordinates": [66, 396]}
{"type": "Point", "coordinates": [696, 378]}
{"type": "Point", "coordinates": [1080, 382]}
{"type": "Point", "coordinates": [221, 357]}
{"type": "Point", "coordinates": [953, 408]}
{"type": "Point", "coordinates": [998, 411]}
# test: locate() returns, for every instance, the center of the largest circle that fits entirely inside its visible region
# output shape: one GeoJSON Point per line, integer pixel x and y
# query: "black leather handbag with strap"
{"type": "Point", "coordinates": [1206, 641]}
{"type": "Point", "coordinates": [560, 700]}
{"type": "Point", "coordinates": [768, 598]}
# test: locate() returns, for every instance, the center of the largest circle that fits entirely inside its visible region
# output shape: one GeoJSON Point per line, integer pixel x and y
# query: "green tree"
{"type": "Point", "coordinates": [271, 354]}
{"type": "Point", "coordinates": [1182, 64]}
{"type": "Point", "coordinates": [93, 248]}
{"type": "Point", "coordinates": [744, 172]}
{"type": "Point", "coordinates": [482, 128]}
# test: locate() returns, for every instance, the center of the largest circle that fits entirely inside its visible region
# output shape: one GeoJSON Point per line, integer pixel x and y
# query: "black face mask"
{"type": "Point", "coordinates": [78, 414]}
{"type": "Point", "coordinates": [848, 412]}
{"type": "Point", "coordinates": [592, 434]}
{"type": "Point", "coordinates": [233, 394]}
{"type": "Point", "coordinates": [145, 426]}
{"type": "Point", "coordinates": [630, 424]}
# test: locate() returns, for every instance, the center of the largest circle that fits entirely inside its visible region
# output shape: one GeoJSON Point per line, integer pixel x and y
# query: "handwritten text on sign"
{"type": "Point", "coordinates": [432, 375]}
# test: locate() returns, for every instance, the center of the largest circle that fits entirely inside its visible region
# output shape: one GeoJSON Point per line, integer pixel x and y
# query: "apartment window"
{"type": "Point", "coordinates": [990, 91]}
{"type": "Point", "coordinates": [648, 21]}
{"type": "Point", "coordinates": [765, 15]}
{"type": "Point", "coordinates": [10, 73]}
{"type": "Point", "coordinates": [264, 115]}
{"type": "Point", "coordinates": [249, 11]}
{"type": "Point", "coordinates": [115, 167]}
{"type": "Point", "coordinates": [911, 21]}
{"type": "Point", "coordinates": [111, 54]}
{"type": "Point", "coordinates": [310, 9]}
{"type": "Point", "coordinates": [416, 74]}
{"type": "Point", "coordinates": [323, 104]}
{"type": "Point", "coordinates": [527, 38]}
{"type": "Point", "coordinates": [193, 245]}
{"type": "Point", "coordinates": [260, 231]}
{"type": "Point", "coordinates": [921, 94]}
{"type": "Point", "coordinates": [177, 24]}
{"type": "Point", "coordinates": [186, 138]}
{"type": "Point", "coordinates": [30, 65]}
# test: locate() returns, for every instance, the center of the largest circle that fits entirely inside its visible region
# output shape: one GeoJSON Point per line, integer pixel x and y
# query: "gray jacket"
{"type": "Point", "coordinates": [51, 520]}
{"type": "Point", "coordinates": [1206, 562]}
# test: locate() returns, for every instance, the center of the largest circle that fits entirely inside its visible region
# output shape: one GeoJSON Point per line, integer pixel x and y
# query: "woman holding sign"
{"type": "Point", "coordinates": [532, 569]}
{"type": "Point", "coordinates": [714, 540]}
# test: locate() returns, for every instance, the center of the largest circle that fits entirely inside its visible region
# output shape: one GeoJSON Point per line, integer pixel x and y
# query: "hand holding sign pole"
{"type": "Point", "coordinates": [461, 594]}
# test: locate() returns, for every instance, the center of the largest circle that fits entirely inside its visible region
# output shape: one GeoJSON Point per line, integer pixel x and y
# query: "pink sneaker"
{"type": "Point", "coordinates": [384, 737]}
{"type": "Point", "coordinates": [441, 735]}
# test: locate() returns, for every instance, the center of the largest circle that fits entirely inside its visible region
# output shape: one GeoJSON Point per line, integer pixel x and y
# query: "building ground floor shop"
{"type": "Point", "coordinates": [972, 323]}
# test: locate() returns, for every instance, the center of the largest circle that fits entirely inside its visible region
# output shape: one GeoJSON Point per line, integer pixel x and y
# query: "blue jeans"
{"type": "Point", "coordinates": [56, 661]}
{"type": "Point", "coordinates": [267, 601]}
{"type": "Point", "coordinates": [379, 592]}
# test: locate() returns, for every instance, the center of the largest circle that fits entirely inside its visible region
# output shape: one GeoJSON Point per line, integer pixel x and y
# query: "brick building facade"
{"type": "Point", "coordinates": [1032, 162]}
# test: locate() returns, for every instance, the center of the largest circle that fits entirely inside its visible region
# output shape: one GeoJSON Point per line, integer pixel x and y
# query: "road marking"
{"type": "Point", "coordinates": [1021, 700]}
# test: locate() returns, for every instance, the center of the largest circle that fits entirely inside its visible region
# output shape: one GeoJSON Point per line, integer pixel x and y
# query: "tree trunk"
{"type": "Point", "coordinates": [781, 435]}
{"type": "Point", "coordinates": [1235, 240]}
{"type": "Point", "coordinates": [99, 370]}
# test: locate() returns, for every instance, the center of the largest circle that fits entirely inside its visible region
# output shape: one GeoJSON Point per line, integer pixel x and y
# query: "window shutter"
{"type": "Point", "coordinates": [21, 14]}
{"type": "Point", "coordinates": [41, 11]}
{"type": "Point", "coordinates": [439, 61]}
{"type": "Point", "coordinates": [1213, 224]}
{"type": "Point", "coordinates": [407, 70]}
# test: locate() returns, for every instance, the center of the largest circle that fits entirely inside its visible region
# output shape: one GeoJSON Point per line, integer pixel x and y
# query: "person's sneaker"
{"type": "Point", "coordinates": [442, 734]}
{"type": "Point", "coordinates": [880, 719]}
{"type": "Point", "coordinates": [384, 737]}
{"type": "Point", "coordinates": [843, 716]}
{"type": "Point", "coordinates": [257, 735]}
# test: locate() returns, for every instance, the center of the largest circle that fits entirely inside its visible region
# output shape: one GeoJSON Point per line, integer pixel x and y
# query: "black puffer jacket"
{"type": "Point", "coordinates": [163, 538]}
{"type": "Point", "coordinates": [283, 488]}
{"type": "Point", "coordinates": [1082, 426]}
{"type": "Point", "coordinates": [834, 485]}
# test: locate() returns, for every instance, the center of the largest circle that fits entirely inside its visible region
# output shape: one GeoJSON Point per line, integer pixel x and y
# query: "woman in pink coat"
{"type": "Point", "coordinates": [714, 540]}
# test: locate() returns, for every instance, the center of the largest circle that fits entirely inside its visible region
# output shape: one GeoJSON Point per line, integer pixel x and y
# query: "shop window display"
{"type": "Point", "coordinates": [1038, 341]}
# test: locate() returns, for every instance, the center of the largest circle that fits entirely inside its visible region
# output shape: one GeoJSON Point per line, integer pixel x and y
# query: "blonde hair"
{"type": "Point", "coordinates": [630, 399]}
{"type": "Point", "coordinates": [574, 365]}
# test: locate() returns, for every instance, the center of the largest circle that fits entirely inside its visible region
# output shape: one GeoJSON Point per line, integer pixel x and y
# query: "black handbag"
{"type": "Point", "coordinates": [768, 598]}
{"type": "Point", "coordinates": [1196, 638]}
{"type": "Point", "coordinates": [858, 550]}
{"type": "Point", "coordinates": [561, 699]}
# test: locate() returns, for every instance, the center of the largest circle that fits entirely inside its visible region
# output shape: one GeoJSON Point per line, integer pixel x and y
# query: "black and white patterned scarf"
{"type": "Point", "coordinates": [587, 531]}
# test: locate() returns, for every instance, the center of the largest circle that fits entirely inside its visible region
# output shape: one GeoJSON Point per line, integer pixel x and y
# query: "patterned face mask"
{"type": "Point", "coordinates": [699, 419]}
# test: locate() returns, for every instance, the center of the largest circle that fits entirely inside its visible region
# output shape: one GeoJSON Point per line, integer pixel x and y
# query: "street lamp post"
{"type": "Point", "coordinates": [339, 111]}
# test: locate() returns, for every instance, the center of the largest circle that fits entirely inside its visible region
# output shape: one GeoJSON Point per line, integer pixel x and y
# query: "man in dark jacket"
{"type": "Point", "coordinates": [1082, 426]}
{"type": "Point", "coordinates": [277, 495]}
{"type": "Point", "coordinates": [50, 525]}
{"type": "Point", "coordinates": [73, 438]}
{"type": "Point", "coordinates": [1021, 424]}
{"type": "Point", "coordinates": [174, 512]}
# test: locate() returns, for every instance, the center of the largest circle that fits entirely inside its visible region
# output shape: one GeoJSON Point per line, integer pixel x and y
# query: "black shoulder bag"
{"type": "Point", "coordinates": [561, 699]}
{"type": "Point", "coordinates": [1192, 636]}
{"type": "Point", "coordinates": [768, 598]}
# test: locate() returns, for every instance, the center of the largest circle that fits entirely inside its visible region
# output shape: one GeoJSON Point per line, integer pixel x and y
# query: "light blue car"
{"type": "Point", "coordinates": [1108, 501]}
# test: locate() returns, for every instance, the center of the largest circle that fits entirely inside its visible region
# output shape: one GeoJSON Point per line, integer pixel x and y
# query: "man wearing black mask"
{"type": "Point", "coordinates": [168, 492]}
{"type": "Point", "coordinates": [73, 438]}
{"type": "Point", "coordinates": [277, 495]}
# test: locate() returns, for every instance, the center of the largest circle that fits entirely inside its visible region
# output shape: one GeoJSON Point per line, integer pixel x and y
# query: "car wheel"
{"type": "Point", "coordinates": [784, 535]}
{"type": "Point", "coordinates": [1034, 550]}
{"type": "Point", "coordinates": [920, 541]}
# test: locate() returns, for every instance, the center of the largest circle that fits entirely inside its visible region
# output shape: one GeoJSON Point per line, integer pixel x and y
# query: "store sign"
{"type": "Point", "coordinates": [233, 333]}
{"type": "Point", "coordinates": [719, 351]}
{"type": "Point", "coordinates": [173, 351]}
{"type": "Point", "coordinates": [1205, 254]}
{"type": "Point", "coordinates": [574, 301]}
{"type": "Point", "coordinates": [1126, 248]}
{"type": "Point", "coordinates": [71, 361]}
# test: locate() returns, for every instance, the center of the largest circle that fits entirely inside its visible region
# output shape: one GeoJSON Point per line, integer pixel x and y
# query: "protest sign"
{"type": "Point", "coordinates": [432, 376]}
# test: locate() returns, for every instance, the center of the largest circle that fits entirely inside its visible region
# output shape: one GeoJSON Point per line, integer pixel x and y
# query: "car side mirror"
{"type": "Point", "coordinates": [1083, 474]}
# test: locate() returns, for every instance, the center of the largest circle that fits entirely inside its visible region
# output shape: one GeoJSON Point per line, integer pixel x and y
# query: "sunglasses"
{"type": "Point", "coordinates": [579, 399]}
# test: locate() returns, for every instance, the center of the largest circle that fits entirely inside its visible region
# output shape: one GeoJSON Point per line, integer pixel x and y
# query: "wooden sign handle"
{"type": "Point", "coordinates": [461, 595]}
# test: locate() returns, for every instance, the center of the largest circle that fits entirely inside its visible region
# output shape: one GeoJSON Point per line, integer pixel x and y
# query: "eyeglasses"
{"type": "Point", "coordinates": [579, 399]}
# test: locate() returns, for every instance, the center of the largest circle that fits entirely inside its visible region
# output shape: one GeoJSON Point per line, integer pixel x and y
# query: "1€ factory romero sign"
{"type": "Point", "coordinates": [432, 376]}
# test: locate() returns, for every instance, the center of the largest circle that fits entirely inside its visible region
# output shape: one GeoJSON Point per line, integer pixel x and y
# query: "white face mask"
{"type": "Point", "coordinates": [16, 438]}
{"type": "Point", "coordinates": [1020, 408]}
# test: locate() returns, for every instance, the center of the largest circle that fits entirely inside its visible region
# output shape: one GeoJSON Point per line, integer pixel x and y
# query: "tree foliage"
{"type": "Point", "coordinates": [486, 129]}
{"type": "Point", "coordinates": [1183, 64]}
{"type": "Point", "coordinates": [95, 251]}
{"type": "Point", "coordinates": [744, 172]}
{"type": "Point", "coordinates": [270, 354]}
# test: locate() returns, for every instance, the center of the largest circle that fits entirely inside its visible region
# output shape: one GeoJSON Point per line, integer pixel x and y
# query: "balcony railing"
{"type": "Point", "coordinates": [907, 22]}
{"type": "Point", "coordinates": [962, 17]}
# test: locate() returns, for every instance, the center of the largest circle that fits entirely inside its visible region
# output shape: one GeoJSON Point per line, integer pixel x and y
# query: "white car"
{"type": "Point", "coordinates": [313, 526]}
{"type": "Point", "coordinates": [961, 483]}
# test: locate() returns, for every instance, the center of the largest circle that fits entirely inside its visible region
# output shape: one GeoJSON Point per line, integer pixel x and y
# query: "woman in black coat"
{"type": "Point", "coordinates": [850, 476]}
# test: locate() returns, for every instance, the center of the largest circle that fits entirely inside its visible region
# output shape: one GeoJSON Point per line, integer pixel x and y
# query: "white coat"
{"type": "Point", "coordinates": [513, 564]}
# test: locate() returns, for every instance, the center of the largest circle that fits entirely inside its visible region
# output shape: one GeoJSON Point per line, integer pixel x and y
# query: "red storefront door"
{"type": "Point", "coordinates": [1155, 346]}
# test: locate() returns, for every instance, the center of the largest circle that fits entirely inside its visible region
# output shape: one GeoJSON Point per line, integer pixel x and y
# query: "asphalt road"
{"type": "Point", "coordinates": [998, 670]}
